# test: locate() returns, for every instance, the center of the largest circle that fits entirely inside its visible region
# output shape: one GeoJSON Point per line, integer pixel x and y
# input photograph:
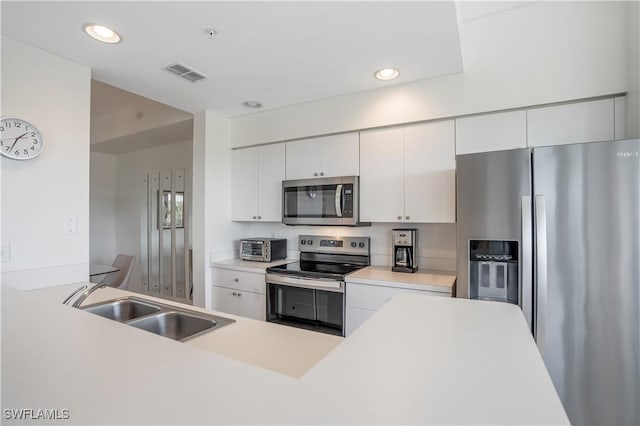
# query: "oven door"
{"type": "Point", "coordinates": [328, 201]}
{"type": "Point", "coordinates": [299, 303]}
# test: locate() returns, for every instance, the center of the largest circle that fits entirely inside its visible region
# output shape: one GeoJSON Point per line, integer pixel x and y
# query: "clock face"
{"type": "Point", "coordinates": [20, 140]}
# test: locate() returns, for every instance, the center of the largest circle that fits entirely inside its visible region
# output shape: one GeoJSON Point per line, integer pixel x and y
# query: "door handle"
{"type": "Point", "coordinates": [541, 270]}
{"type": "Point", "coordinates": [338, 200]}
{"type": "Point", "coordinates": [526, 289]}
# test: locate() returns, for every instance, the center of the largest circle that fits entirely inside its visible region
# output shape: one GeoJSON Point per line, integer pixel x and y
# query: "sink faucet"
{"type": "Point", "coordinates": [84, 295]}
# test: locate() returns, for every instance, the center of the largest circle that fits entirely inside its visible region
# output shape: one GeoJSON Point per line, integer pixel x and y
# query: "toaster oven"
{"type": "Point", "coordinates": [263, 249]}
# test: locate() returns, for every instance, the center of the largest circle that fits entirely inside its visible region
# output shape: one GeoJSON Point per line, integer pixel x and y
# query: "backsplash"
{"type": "Point", "coordinates": [436, 241]}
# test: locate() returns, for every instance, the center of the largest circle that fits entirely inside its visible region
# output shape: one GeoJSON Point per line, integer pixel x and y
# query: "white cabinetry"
{"type": "Point", "coordinates": [363, 300]}
{"type": "Point", "coordinates": [571, 123]}
{"type": "Point", "coordinates": [491, 132]}
{"type": "Point", "coordinates": [239, 293]}
{"type": "Point", "coordinates": [257, 183]}
{"type": "Point", "coordinates": [327, 156]}
{"type": "Point", "coordinates": [407, 174]}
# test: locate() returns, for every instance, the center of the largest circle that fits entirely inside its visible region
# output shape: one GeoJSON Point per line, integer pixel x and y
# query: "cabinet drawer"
{"type": "Point", "coordinates": [373, 296]}
{"type": "Point", "coordinates": [247, 281]}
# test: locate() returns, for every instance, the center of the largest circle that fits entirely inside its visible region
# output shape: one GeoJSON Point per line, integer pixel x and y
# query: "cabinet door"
{"type": "Point", "coordinates": [224, 300]}
{"type": "Point", "coordinates": [252, 305]}
{"type": "Point", "coordinates": [303, 159]}
{"type": "Point", "coordinates": [571, 123]}
{"type": "Point", "coordinates": [340, 155]}
{"type": "Point", "coordinates": [430, 173]}
{"type": "Point", "coordinates": [620, 115]}
{"type": "Point", "coordinates": [270, 176]}
{"type": "Point", "coordinates": [491, 132]}
{"type": "Point", "coordinates": [355, 317]}
{"type": "Point", "coordinates": [245, 184]}
{"type": "Point", "coordinates": [382, 175]}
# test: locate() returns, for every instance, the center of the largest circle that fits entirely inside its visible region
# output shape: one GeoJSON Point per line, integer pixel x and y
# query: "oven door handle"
{"type": "Point", "coordinates": [314, 283]}
{"type": "Point", "coordinates": [338, 200]}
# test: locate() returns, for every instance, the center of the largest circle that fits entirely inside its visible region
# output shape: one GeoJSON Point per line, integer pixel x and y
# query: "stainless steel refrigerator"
{"type": "Point", "coordinates": [557, 231]}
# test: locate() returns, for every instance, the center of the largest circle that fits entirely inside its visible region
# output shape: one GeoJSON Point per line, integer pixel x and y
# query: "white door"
{"type": "Point", "coordinates": [303, 159]}
{"type": "Point", "coordinates": [340, 155]}
{"type": "Point", "coordinates": [382, 175]}
{"type": "Point", "coordinates": [245, 184]}
{"type": "Point", "coordinates": [430, 173]}
{"type": "Point", "coordinates": [252, 305]}
{"type": "Point", "coordinates": [224, 300]}
{"type": "Point", "coordinates": [271, 169]}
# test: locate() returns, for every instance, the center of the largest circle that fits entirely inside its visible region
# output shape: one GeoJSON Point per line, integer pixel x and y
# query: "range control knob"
{"type": "Point", "coordinates": [310, 242]}
{"type": "Point", "coordinates": [361, 245]}
{"type": "Point", "coordinates": [303, 242]}
{"type": "Point", "coordinates": [353, 244]}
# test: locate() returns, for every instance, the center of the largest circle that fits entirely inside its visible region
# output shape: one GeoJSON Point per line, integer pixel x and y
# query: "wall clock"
{"type": "Point", "coordinates": [19, 139]}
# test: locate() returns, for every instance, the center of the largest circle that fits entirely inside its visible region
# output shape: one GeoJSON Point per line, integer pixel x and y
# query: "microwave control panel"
{"type": "Point", "coordinates": [347, 209]}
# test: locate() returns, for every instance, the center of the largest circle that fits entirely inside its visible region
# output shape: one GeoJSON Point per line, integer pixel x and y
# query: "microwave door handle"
{"type": "Point", "coordinates": [338, 200]}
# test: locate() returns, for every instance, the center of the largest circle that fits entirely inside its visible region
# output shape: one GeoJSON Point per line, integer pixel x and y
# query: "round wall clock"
{"type": "Point", "coordinates": [19, 139]}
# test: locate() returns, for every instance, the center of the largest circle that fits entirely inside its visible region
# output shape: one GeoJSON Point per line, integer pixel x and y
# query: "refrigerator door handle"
{"type": "Point", "coordinates": [541, 270]}
{"type": "Point", "coordinates": [526, 291]}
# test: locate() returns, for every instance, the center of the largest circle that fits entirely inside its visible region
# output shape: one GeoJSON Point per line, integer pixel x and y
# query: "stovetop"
{"type": "Point", "coordinates": [312, 269]}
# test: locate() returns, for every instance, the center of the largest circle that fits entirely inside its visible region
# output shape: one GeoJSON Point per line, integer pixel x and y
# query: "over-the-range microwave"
{"type": "Point", "coordinates": [325, 201]}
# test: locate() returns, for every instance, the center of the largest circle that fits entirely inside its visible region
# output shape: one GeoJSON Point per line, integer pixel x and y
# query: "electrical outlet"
{"type": "Point", "coordinates": [5, 252]}
{"type": "Point", "coordinates": [71, 225]}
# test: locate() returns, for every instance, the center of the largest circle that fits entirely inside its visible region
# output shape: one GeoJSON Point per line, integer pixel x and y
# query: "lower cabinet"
{"type": "Point", "coordinates": [363, 300]}
{"type": "Point", "coordinates": [239, 293]}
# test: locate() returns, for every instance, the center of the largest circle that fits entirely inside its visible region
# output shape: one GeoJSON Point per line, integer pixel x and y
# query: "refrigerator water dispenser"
{"type": "Point", "coordinates": [493, 270]}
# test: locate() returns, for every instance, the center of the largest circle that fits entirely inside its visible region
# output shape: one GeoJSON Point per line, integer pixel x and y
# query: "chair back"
{"type": "Point", "coordinates": [121, 278]}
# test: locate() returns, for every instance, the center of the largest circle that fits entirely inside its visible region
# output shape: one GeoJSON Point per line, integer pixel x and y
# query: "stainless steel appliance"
{"type": "Point", "coordinates": [263, 249]}
{"type": "Point", "coordinates": [565, 219]}
{"type": "Point", "coordinates": [310, 293]}
{"type": "Point", "coordinates": [324, 201]}
{"type": "Point", "coordinates": [405, 250]}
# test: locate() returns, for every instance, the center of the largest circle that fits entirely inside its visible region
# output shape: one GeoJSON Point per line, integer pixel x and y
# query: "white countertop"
{"type": "Point", "coordinates": [419, 359]}
{"type": "Point", "coordinates": [420, 280]}
{"type": "Point", "coordinates": [248, 266]}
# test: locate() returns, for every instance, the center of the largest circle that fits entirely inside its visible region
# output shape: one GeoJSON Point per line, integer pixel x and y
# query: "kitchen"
{"type": "Point", "coordinates": [518, 93]}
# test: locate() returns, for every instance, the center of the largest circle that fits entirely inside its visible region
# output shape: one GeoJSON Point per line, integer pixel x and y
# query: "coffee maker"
{"type": "Point", "coordinates": [405, 245]}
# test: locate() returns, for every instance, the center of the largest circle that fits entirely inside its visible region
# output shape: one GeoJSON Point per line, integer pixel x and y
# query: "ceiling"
{"type": "Point", "coordinates": [277, 53]}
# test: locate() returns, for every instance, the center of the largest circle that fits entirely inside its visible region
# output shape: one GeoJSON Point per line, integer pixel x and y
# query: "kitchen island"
{"type": "Point", "coordinates": [419, 359]}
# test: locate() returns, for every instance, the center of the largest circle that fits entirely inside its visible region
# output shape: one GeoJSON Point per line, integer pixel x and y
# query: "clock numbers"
{"type": "Point", "coordinates": [20, 140]}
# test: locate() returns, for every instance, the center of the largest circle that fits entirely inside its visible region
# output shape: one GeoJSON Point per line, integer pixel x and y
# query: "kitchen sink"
{"type": "Point", "coordinates": [158, 318]}
{"type": "Point", "coordinates": [179, 325]}
{"type": "Point", "coordinates": [123, 309]}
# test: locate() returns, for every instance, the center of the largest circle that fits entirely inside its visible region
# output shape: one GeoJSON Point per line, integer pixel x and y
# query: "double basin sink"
{"type": "Point", "coordinates": [164, 320]}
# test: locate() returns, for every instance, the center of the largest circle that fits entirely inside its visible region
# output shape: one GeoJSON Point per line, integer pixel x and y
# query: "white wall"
{"type": "Point", "coordinates": [130, 169]}
{"type": "Point", "coordinates": [102, 231]}
{"type": "Point", "coordinates": [37, 195]}
{"type": "Point", "coordinates": [539, 53]}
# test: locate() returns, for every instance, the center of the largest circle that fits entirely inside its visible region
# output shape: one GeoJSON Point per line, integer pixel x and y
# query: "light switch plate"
{"type": "Point", "coordinates": [71, 225]}
{"type": "Point", "coordinates": [5, 252]}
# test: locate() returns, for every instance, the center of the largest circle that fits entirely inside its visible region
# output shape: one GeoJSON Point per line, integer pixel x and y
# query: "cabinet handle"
{"type": "Point", "coordinates": [408, 218]}
{"type": "Point", "coordinates": [399, 217]}
{"type": "Point", "coordinates": [234, 293]}
{"type": "Point", "coordinates": [315, 174]}
{"type": "Point", "coordinates": [254, 217]}
{"type": "Point", "coordinates": [321, 173]}
{"type": "Point", "coordinates": [239, 294]}
{"type": "Point", "coordinates": [236, 280]}
{"type": "Point", "coordinates": [259, 217]}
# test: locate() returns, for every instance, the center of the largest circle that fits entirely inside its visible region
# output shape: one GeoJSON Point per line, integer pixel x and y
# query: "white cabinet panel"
{"type": "Point", "coordinates": [619, 111]}
{"type": "Point", "coordinates": [491, 132]}
{"type": "Point", "coordinates": [303, 159]}
{"type": "Point", "coordinates": [244, 184]}
{"type": "Point", "coordinates": [355, 318]}
{"type": "Point", "coordinates": [429, 174]}
{"type": "Point", "coordinates": [252, 305]}
{"type": "Point", "coordinates": [340, 155]}
{"type": "Point", "coordinates": [382, 175]}
{"type": "Point", "coordinates": [257, 183]}
{"type": "Point", "coordinates": [372, 297]}
{"type": "Point", "coordinates": [224, 300]}
{"type": "Point", "coordinates": [326, 156]}
{"type": "Point", "coordinates": [239, 280]}
{"type": "Point", "coordinates": [571, 123]}
{"type": "Point", "coordinates": [271, 169]}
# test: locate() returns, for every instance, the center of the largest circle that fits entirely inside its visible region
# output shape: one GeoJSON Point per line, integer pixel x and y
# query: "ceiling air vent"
{"type": "Point", "coordinates": [185, 72]}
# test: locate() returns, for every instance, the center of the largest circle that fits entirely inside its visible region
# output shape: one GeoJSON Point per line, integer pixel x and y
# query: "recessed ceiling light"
{"type": "Point", "coordinates": [252, 104]}
{"type": "Point", "coordinates": [102, 33]}
{"type": "Point", "coordinates": [386, 74]}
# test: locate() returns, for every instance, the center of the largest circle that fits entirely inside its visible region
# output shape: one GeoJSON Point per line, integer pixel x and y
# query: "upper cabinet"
{"type": "Point", "coordinates": [327, 156]}
{"type": "Point", "coordinates": [407, 174]}
{"type": "Point", "coordinates": [491, 132]}
{"type": "Point", "coordinates": [257, 183]}
{"type": "Point", "coordinates": [571, 123]}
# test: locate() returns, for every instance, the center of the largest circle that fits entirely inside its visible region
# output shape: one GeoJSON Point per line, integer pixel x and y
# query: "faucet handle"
{"type": "Point", "coordinates": [72, 295]}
